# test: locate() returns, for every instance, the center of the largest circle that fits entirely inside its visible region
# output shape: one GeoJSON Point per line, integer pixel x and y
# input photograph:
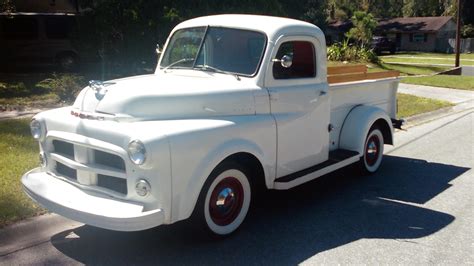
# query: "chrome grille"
{"type": "Point", "coordinates": [112, 183]}
{"type": "Point", "coordinates": [63, 148]}
{"type": "Point", "coordinates": [99, 167]}
{"type": "Point", "coordinates": [66, 171]}
{"type": "Point", "coordinates": [108, 159]}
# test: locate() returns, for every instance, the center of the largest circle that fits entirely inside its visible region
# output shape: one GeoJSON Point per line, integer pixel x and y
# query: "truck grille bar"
{"type": "Point", "coordinates": [104, 169]}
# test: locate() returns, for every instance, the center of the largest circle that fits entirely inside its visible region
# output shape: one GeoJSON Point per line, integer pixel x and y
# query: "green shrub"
{"type": "Point", "coordinates": [353, 53]}
{"type": "Point", "coordinates": [10, 90]}
{"type": "Point", "coordinates": [467, 31]}
{"type": "Point", "coordinates": [364, 26]}
{"type": "Point", "coordinates": [65, 86]}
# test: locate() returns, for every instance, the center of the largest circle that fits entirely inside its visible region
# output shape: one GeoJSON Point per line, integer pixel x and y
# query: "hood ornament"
{"type": "Point", "coordinates": [99, 87]}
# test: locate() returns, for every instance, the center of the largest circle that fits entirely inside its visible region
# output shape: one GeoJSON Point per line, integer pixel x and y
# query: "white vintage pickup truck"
{"type": "Point", "coordinates": [236, 102]}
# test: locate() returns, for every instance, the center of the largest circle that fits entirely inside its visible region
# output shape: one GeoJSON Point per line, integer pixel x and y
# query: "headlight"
{"type": "Point", "coordinates": [36, 129]}
{"type": "Point", "coordinates": [137, 152]}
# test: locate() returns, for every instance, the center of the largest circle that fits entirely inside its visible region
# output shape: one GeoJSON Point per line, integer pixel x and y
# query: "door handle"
{"type": "Point", "coordinates": [322, 93]}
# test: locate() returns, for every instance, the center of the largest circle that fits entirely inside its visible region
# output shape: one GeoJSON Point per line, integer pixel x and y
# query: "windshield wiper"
{"type": "Point", "coordinates": [182, 60]}
{"type": "Point", "coordinates": [215, 69]}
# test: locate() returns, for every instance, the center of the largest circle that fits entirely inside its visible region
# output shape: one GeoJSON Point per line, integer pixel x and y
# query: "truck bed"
{"type": "Point", "coordinates": [348, 89]}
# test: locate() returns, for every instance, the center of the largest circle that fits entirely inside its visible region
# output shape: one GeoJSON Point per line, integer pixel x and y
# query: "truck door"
{"type": "Point", "coordinates": [299, 102]}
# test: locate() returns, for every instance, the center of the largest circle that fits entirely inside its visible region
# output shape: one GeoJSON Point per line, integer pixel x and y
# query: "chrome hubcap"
{"type": "Point", "coordinates": [372, 150]}
{"type": "Point", "coordinates": [226, 201]}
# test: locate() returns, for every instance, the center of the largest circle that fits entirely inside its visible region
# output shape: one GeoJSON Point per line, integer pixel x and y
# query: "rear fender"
{"type": "Point", "coordinates": [357, 125]}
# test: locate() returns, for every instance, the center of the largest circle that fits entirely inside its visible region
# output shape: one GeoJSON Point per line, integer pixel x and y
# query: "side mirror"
{"type": "Point", "coordinates": [158, 50]}
{"type": "Point", "coordinates": [286, 61]}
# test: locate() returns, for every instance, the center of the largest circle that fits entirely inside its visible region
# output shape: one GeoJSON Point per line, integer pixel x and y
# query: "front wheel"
{"type": "Point", "coordinates": [373, 152]}
{"type": "Point", "coordinates": [224, 200]}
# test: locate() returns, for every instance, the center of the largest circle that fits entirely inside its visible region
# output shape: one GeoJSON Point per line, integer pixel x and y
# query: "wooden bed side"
{"type": "Point", "coordinates": [340, 74]}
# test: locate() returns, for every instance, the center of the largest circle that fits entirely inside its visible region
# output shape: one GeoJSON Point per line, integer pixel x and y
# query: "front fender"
{"type": "Point", "coordinates": [212, 160]}
{"type": "Point", "coordinates": [196, 153]}
{"type": "Point", "coordinates": [357, 125]}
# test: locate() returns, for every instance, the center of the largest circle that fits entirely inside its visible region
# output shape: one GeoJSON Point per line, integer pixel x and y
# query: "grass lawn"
{"type": "Point", "coordinates": [405, 70]}
{"type": "Point", "coordinates": [409, 105]}
{"type": "Point", "coordinates": [421, 60]}
{"type": "Point", "coordinates": [428, 58]}
{"type": "Point", "coordinates": [42, 100]}
{"type": "Point", "coordinates": [408, 70]}
{"type": "Point", "coordinates": [455, 82]}
{"type": "Point", "coordinates": [21, 90]}
{"type": "Point", "coordinates": [439, 55]}
{"type": "Point", "coordinates": [19, 154]}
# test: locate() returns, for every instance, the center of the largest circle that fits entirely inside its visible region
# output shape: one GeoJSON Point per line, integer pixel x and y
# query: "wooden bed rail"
{"type": "Point", "coordinates": [339, 74]}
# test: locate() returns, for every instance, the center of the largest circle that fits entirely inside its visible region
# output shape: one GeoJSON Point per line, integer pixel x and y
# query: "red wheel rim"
{"type": "Point", "coordinates": [372, 150]}
{"type": "Point", "coordinates": [226, 201]}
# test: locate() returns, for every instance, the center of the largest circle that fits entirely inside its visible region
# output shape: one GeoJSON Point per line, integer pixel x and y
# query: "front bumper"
{"type": "Point", "coordinates": [87, 207]}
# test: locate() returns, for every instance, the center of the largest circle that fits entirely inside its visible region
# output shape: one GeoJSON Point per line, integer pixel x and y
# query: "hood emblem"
{"type": "Point", "coordinates": [99, 87]}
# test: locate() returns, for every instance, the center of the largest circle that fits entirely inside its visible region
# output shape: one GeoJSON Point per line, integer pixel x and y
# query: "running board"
{"type": "Point", "coordinates": [337, 159]}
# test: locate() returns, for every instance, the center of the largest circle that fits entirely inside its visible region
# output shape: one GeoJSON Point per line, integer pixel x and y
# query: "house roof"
{"type": "Point", "coordinates": [413, 24]}
{"type": "Point", "coordinates": [341, 25]}
{"type": "Point", "coordinates": [408, 24]}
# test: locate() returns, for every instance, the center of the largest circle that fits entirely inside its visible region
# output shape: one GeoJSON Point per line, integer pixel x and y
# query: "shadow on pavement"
{"type": "Point", "coordinates": [288, 227]}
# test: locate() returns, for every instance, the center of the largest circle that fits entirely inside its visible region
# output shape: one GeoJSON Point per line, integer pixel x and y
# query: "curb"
{"type": "Point", "coordinates": [423, 118]}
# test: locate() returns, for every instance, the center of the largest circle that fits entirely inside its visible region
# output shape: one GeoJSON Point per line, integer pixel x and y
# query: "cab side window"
{"type": "Point", "coordinates": [303, 61]}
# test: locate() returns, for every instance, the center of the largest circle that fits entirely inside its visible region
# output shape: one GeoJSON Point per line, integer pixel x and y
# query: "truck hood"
{"type": "Point", "coordinates": [169, 96]}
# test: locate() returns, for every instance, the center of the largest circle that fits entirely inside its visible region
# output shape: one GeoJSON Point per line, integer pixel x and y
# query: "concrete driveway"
{"type": "Point", "coordinates": [451, 95]}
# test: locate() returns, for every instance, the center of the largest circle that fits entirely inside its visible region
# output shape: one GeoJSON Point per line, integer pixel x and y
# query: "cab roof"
{"type": "Point", "coordinates": [273, 27]}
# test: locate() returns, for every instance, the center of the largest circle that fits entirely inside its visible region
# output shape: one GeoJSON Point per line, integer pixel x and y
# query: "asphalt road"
{"type": "Point", "coordinates": [418, 209]}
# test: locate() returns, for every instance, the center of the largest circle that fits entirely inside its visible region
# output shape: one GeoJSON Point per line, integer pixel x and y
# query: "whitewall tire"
{"type": "Point", "coordinates": [225, 200]}
{"type": "Point", "coordinates": [373, 152]}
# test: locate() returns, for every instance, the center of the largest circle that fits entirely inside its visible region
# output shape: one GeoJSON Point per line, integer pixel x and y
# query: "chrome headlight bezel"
{"type": "Point", "coordinates": [37, 129]}
{"type": "Point", "coordinates": [136, 152]}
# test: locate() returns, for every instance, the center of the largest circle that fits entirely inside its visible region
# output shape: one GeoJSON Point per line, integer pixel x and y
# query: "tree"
{"type": "Point", "coordinates": [364, 26]}
{"type": "Point", "coordinates": [466, 11]}
{"type": "Point", "coordinates": [316, 13]}
{"type": "Point", "coordinates": [344, 9]}
{"type": "Point", "coordinates": [385, 8]}
{"type": "Point", "coordinates": [424, 8]}
{"type": "Point", "coordinates": [7, 6]}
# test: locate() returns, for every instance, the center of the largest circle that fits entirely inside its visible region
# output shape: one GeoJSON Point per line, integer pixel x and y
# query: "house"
{"type": "Point", "coordinates": [428, 34]}
{"type": "Point", "coordinates": [336, 30]}
{"type": "Point", "coordinates": [46, 6]}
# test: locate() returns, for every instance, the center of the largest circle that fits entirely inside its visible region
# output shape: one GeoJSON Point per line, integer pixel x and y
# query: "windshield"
{"type": "Point", "coordinates": [215, 49]}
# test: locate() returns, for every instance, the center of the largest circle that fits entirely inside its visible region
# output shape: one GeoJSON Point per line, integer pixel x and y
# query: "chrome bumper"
{"type": "Point", "coordinates": [90, 208]}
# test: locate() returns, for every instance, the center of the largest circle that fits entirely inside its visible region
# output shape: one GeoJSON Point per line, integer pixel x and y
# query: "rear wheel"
{"type": "Point", "coordinates": [373, 152]}
{"type": "Point", "coordinates": [224, 200]}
